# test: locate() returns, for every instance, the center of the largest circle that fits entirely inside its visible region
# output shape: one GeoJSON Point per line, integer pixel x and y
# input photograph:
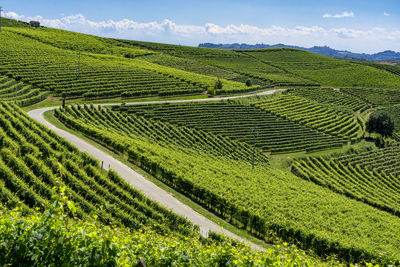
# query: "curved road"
{"type": "Point", "coordinates": [137, 180]}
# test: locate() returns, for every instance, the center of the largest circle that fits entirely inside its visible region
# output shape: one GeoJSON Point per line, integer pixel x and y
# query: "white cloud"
{"type": "Point", "coordinates": [167, 31]}
{"type": "Point", "coordinates": [345, 14]}
{"type": "Point", "coordinates": [13, 15]}
{"type": "Point", "coordinates": [386, 14]}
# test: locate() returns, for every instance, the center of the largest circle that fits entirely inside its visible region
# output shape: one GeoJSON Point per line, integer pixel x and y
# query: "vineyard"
{"type": "Point", "coordinates": [294, 167]}
{"type": "Point", "coordinates": [19, 93]}
{"type": "Point", "coordinates": [377, 97]}
{"type": "Point", "coordinates": [34, 161]}
{"type": "Point", "coordinates": [273, 134]}
{"type": "Point", "coordinates": [372, 177]}
{"type": "Point", "coordinates": [325, 71]}
{"type": "Point", "coordinates": [313, 115]}
{"type": "Point", "coordinates": [161, 132]}
{"type": "Point", "coordinates": [259, 200]}
{"type": "Point", "coordinates": [98, 76]}
{"type": "Point", "coordinates": [332, 98]}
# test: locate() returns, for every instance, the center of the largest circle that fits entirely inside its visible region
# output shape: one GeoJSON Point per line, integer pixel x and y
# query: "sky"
{"type": "Point", "coordinates": [359, 26]}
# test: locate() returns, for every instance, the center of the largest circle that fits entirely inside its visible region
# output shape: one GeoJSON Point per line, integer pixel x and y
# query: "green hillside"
{"type": "Point", "coordinates": [264, 201]}
{"type": "Point", "coordinates": [292, 168]}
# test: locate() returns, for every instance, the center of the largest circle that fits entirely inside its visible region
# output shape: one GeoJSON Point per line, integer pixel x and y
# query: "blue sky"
{"type": "Point", "coordinates": [360, 26]}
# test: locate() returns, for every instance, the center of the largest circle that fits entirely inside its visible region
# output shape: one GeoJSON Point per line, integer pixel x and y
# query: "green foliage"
{"type": "Point", "coordinates": [54, 69]}
{"type": "Point", "coordinates": [34, 160]}
{"type": "Point", "coordinates": [381, 123]}
{"type": "Point", "coordinates": [371, 176]}
{"type": "Point", "coordinates": [248, 82]}
{"type": "Point", "coordinates": [218, 85]}
{"type": "Point", "coordinates": [236, 121]}
{"type": "Point", "coordinates": [332, 98]}
{"type": "Point", "coordinates": [51, 239]}
{"type": "Point", "coordinates": [5, 22]}
{"type": "Point", "coordinates": [265, 201]}
{"type": "Point", "coordinates": [377, 97]}
{"type": "Point", "coordinates": [313, 115]}
{"type": "Point", "coordinates": [19, 93]}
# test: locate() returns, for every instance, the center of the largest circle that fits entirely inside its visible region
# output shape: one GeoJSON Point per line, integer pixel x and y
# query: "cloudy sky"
{"type": "Point", "coordinates": [355, 25]}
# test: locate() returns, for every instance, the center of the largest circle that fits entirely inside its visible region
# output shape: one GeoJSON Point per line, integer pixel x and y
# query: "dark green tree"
{"type": "Point", "coordinates": [380, 123]}
{"type": "Point", "coordinates": [218, 84]}
{"type": "Point", "coordinates": [249, 83]}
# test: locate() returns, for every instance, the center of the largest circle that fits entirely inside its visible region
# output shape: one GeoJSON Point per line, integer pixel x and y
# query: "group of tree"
{"type": "Point", "coordinates": [380, 123]}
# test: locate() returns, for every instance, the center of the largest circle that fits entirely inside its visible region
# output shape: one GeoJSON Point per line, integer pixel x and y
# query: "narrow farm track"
{"type": "Point", "coordinates": [137, 180]}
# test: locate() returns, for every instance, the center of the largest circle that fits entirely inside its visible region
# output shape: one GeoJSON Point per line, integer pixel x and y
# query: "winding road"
{"type": "Point", "coordinates": [138, 181]}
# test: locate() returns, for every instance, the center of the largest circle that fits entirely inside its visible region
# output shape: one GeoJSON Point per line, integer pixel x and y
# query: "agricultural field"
{"type": "Point", "coordinates": [326, 71]}
{"type": "Point", "coordinates": [260, 200]}
{"type": "Point", "coordinates": [66, 73]}
{"type": "Point", "coordinates": [34, 162]}
{"type": "Point", "coordinates": [19, 93]}
{"type": "Point", "coordinates": [375, 96]}
{"type": "Point", "coordinates": [332, 98]}
{"type": "Point", "coordinates": [273, 134]}
{"type": "Point", "coordinates": [372, 177]}
{"type": "Point", "coordinates": [313, 115]}
{"type": "Point", "coordinates": [292, 168]}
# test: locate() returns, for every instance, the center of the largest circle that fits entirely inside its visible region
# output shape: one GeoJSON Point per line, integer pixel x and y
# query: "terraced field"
{"type": "Point", "coordinates": [313, 115]}
{"type": "Point", "coordinates": [325, 71]}
{"type": "Point", "coordinates": [335, 99]}
{"type": "Point", "coordinates": [372, 177]}
{"type": "Point", "coordinates": [34, 162]}
{"type": "Point", "coordinates": [19, 93]}
{"type": "Point", "coordinates": [274, 134]}
{"type": "Point", "coordinates": [162, 132]}
{"type": "Point", "coordinates": [377, 97]}
{"type": "Point", "coordinates": [259, 200]}
{"type": "Point", "coordinates": [98, 76]}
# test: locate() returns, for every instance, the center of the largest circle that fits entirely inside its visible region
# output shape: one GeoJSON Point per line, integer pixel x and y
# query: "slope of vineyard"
{"type": "Point", "coordinates": [312, 114]}
{"type": "Point", "coordinates": [259, 200]}
{"type": "Point", "coordinates": [324, 70]}
{"type": "Point", "coordinates": [34, 161]}
{"type": "Point", "coordinates": [50, 239]}
{"type": "Point", "coordinates": [273, 134]}
{"type": "Point", "coordinates": [164, 132]}
{"type": "Point", "coordinates": [19, 93]}
{"type": "Point", "coordinates": [97, 76]}
{"type": "Point", "coordinates": [372, 177]}
{"type": "Point", "coordinates": [377, 97]}
{"type": "Point", "coordinates": [332, 98]}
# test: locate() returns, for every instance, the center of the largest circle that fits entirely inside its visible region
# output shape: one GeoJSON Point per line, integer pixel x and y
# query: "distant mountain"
{"type": "Point", "coordinates": [387, 55]}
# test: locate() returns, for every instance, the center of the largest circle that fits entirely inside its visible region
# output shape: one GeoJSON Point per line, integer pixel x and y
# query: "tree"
{"type": "Point", "coordinates": [248, 82]}
{"type": "Point", "coordinates": [218, 84]}
{"type": "Point", "coordinates": [380, 123]}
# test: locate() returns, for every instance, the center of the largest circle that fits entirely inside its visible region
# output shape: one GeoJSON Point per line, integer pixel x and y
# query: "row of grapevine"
{"type": "Point", "coordinates": [332, 98]}
{"type": "Point", "coordinates": [377, 97]}
{"type": "Point", "coordinates": [372, 177]}
{"type": "Point", "coordinates": [264, 201]}
{"type": "Point", "coordinates": [161, 132]}
{"type": "Point", "coordinates": [97, 76]}
{"type": "Point", "coordinates": [19, 93]}
{"type": "Point", "coordinates": [34, 161]}
{"type": "Point", "coordinates": [238, 122]}
{"type": "Point", "coordinates": [314, 115]}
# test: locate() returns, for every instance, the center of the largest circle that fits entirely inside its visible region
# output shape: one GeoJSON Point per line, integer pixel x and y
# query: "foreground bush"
{"type": "Point", "coordinates": [52, 238]}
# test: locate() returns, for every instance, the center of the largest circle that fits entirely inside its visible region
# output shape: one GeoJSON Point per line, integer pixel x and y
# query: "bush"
{"type": "Point", "coordinates": [249, 83]}
{"type": "Point", "coordinates": [218, 85]}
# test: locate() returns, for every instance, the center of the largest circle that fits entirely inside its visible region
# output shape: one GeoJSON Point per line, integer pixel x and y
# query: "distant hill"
{"type": "Point", "coordinates": [387, 55]}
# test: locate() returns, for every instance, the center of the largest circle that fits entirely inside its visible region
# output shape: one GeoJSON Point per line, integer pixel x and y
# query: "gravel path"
{"type": "Point", "coordinates": [137, 180]}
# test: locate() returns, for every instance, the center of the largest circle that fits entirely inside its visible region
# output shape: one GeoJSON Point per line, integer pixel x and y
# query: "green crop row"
{"type": "Point", "coordinates": [34, 160]}
{"type": "Point", "coordinates": [313, 115]}
{"type": "Point", "coordinates": [265, 201]}
{"type": "Point", "coordinates": [239, 122]}
{"type": "Point", "coordinates": [371, 177]}
{"type": "Point", "coordinates": [332, 98]}
{"type": "Point", "coordinates": [19, 93]}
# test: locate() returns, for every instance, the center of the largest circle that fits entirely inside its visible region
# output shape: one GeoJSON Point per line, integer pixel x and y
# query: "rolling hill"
{"type": "Point", "coordinates": [294, 169]}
